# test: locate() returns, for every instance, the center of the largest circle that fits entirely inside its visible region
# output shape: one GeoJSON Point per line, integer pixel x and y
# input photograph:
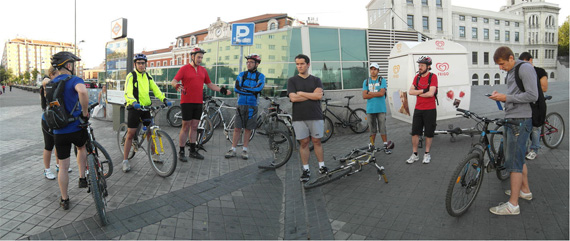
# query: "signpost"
{"type": "Point", "coordinates": [242, 35]}
{"type": "Point", "coordinates": [118, 63]}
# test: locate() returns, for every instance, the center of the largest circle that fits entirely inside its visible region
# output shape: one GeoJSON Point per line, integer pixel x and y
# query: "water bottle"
{"type": "Point", "coordinates": [144, 128]}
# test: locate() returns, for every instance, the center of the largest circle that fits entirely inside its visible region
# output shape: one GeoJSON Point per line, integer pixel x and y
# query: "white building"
{"type": "Point", "coordinates": [523, 25]}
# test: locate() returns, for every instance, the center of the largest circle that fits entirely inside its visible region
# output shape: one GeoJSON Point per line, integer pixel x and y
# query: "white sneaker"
{"type": "Point", "coordinates": [48, 174]}
{"type": "Point", "coordinates": [413, 158]}
{"type": "Point", "coordinates": [505, 209]}
{"type": "Point", "coordinates": [427, 159]}
{"type": "Point", "coordinates": [531, 155]}
{"type": "Point", "coordinates": [526, 196]}
{"type": "Point", "coordinates": [126, 166]}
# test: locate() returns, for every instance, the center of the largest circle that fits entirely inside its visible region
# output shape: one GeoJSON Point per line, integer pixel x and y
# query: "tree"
{"type": "Point", "coordinates": [26, 77]}
{"type": "Point", "coordinates": [563, 38]}
{"type": "Point", "coordinates": [3, 73]}
{"type": "Point", "coordinates": [35, 73]}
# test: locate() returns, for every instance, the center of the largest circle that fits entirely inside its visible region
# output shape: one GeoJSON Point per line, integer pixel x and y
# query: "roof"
{"type": "Point", "coordinates": [158, 51]}
{"type": "Point", "coordinates": [256, 19]}
{"type": "Point", "coordinates": [39, 42]}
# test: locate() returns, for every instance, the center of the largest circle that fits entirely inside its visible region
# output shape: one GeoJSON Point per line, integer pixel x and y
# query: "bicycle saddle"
{"type": "Point", "coordinates": [349, 97]}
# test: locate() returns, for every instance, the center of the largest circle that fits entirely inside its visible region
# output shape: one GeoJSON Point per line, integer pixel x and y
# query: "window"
{"type": "Point", "coordinates": [271, 71]}
{"type": "Point", "coordinates": [516, 36]}
{"type": "Point", "coordinates": [497, 35]}
{"type": "Point", "coordinates": [475, 79]}
{"type": "Point", "coordinates": [227, 57]}
{"type": "Point", "coordinates": [193, 40]}
{"type": "Point", "coordinates": [497, 21]}
{"type": "Point", "coordinates": [271, 46]}
{"type": "Point", "coordinates": [425, 2]}
{"type": "Point", "coordinates": [271, 36]}
{"type": "Point", "coordinates": [507, 23]}
{"type": "Point", "coordinates": [227, 47]}
{"type": "Point", "coordinates": [485, 20]}
{"type": "Point", "coordinates": [474, 19]}
{"type": "Point", "coordinates": [425, 22]}
{"type": "Point", "coordinates": [507, 35]}
{"type": "Point", "coordinates": [411, 21]}
{"type": "Point", "coordinates": [552, 75]}
{"type": "Point", "coordinates": [284, 48]}
{"type": "Point", "coordinates": [179, 61]}
{"type": "Point", "coordinates": [439, 24]}
{"type": "Point", "coordinates": [438, 3]}
{"type": "Point", "coordinates": [546, 55]}
{"type": "Point", "coordinates": [474, 58]}
{"type": "Point", "coordinates": [272, 57]}
{"type": "Point", "coordinates": [497, 79]}
{"type": "Point", "coordinates": [410, 1]}
{"type": "Point", "coordinates": [461, 18]}
{"type": "Point", "coordinates": [236, 56]}
{"type": "Point", "coordinates": [486, 33]}
{"type": "Point", "coordinates": [462, 31]}
{"type": "Point", "coordinates": [516, 24]}
{"type": "Point", "coordinates": [164, 63]}
{"type": "Point", "coordinates": [486, 58]}
{"type": "Point", "coordinates": [474, 33]}
{"type": "Point", "coordinates": [486, 79]}
{"type": "Point", "coordinates": [272, 26]}
{"type": "Point", "coordinates": [151, 64]}
{"type": "Point", "coordinates": [257, 46]}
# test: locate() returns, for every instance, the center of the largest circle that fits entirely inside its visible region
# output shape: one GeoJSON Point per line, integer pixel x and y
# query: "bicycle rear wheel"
{"type": "Point", "coordinates": [174, 116]}
{"type": "Point", "coordinates": [358, 120]}
{"type": "Point", "coordinates": [281, 146]}
{"type": "Point", "coordinates": [104, 159]}
{"type": "Point", "coordinates": [97, 188]}
{"type": "Point", "coordinates": [464, 184]}
{"type": "Point", "coordinates": [553, 130]}
{"type": "Point", "coordinates": [502, 172]}
{"type": "Point", "coordinates": [208, 130]}
{"type": "Point", "coordinates": [328, 130]}
{"type": "Point", "coordinates": [328, 177]}
{"type": "Point", "coordinates": [240, 141]}
{"type": "Point", "coordinates": [162, 154]}
{"type": "Point", "coordinates": [121, 138]}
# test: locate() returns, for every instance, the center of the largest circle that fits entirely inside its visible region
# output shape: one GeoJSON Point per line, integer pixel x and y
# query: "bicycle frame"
{"type": "Point", "coordinates": [344, 122]}
{"type": "Point", "coordinates": [361, 153]}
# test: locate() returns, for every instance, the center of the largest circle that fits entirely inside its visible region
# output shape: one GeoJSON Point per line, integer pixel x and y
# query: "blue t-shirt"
{"type": "Point", "coordinates": [376, 104]}
{"type": "Point", "coordinates": [70, 97]}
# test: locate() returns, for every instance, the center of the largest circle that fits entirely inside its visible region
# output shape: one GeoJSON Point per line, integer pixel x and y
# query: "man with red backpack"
{"type": "Point", "coordinates": [424, 87]}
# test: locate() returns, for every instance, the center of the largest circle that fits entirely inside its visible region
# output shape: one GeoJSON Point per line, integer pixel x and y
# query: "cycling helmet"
{"type": "Point", "coordinates": [425, 60]}
{"type": "Point", "coordinates": [255, 57]}
{"type": "Point", "coordinates": [139, 57]}
{"type": "Point", "coordinates": [197, 50]}
{"type": "Point", "coordinates": [59, 59]}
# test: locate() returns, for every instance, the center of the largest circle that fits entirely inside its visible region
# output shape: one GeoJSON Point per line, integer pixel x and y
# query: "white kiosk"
{"type": "Point", "coordinates": [449, 64]}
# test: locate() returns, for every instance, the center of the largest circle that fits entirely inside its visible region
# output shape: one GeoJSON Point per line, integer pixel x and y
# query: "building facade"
{"type": "Point", "coordinates": [24, 55]}
{"type": "Point", "coordinates": [523, 25]}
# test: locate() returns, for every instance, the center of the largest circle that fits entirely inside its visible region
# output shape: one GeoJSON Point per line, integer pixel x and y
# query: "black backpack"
{"type": "Point", "coordinates": [245, 77]}
{"type": "Point", "coordinates": [57, 117]}
{"type": "Point", "coordinates": [429, 84]}
{"type": "Point", "coordinates": [135, 84]}
{"type": "Point", "coordinates": [538, 107]}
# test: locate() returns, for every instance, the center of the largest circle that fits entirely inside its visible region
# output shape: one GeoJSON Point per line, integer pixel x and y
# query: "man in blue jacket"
{"type": "Point", "coordinates": [248, 86]}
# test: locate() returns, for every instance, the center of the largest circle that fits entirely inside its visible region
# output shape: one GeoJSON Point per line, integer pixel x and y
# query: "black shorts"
{"type": "Point", "coordinates": [63, 142]}
{"type": "Point", "coordinates": [424, 119]}
{"type": "Point", "coordinates": [135, 117]}
{"type": "Point", "coordinates": [48, 137]}
{"type": "Point", "coordinates": [191, 111]}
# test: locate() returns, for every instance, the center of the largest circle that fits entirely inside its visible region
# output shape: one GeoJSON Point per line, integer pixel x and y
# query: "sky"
{"type": "Point", "coordinates": [155, 24]}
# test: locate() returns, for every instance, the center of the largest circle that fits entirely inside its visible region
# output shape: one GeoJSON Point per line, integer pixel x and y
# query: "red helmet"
{"type": "Point", "coordinates": [255, 57]}
{"type": "Point", "coordinates": [197, 50]}
{"type": "Point", "coordinates": [425, 60]}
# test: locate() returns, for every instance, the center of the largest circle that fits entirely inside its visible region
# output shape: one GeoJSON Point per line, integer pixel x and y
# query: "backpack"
{"type": "Point", "coordinates": [429, 84]}
{"type": "Point", "coordinates": [538, 107]}
{"type": "Point", "coordinates": [136, 86]}
{"type": "Point", "coordinates": [57, 117]}
{"type": "Point", "coordinates": [245, 77]}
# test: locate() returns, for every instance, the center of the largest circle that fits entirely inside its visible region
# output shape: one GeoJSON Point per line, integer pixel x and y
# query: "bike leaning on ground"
{"type": "Point", "coordinates": [278, 128]}
{"type": "Point", "coordinates": [160, 149]}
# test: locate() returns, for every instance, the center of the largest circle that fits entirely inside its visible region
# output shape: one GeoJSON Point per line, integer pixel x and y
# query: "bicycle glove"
{"type": "Point", "coordinates": [166, 102]}
{"type": "Point", "coordinates": [136, 105]}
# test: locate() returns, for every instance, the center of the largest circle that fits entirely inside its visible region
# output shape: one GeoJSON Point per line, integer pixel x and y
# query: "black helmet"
{"type": "Point", "coordinates": [425, 60]}
{"type": "Point", "coordinates": [255, 57]}
{"type": "Point", "coordinates": [139, 57]}
{"type": "Point", "coordinates": [197, 50]}
{"type": "Point", "coordinates": [59, 59]}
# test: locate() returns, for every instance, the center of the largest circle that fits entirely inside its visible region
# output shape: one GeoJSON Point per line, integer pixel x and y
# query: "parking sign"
{"type": "Point", "coordinates": [242, 33]}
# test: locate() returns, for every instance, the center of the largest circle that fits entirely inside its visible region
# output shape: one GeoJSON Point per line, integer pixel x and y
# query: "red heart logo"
{"type": "Point", "coordinates": [442, 66]}
{"type": "Point", "coordinates": [439, 43]}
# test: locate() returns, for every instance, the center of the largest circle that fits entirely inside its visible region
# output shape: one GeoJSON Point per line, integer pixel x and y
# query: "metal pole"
{"type": "Point", "coordinates": [75, 26]}
{"type": "Point", "coordinates": [240, 57]}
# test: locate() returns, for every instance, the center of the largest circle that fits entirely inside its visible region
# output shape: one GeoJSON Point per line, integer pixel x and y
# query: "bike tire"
{"type": "Point", "coordinates": [460, 184]}
{"type": "Point", "coordinates": [328, 177]}
{"type": "Point", "coordinates": [167, 155]}
{"type": "Point", "coordinates": [495, 139]}
{"type": "Point", "coordinates": [121, 136]}
{"type": "Point", "coordinates": [174, 116]}
{"type": "Point", "coordinates": [328, 129]}
{"type": "Point", "coordinates": [500, 169]}
{"type": "Point", "coordinates": [554, 122]}
{"type": "Point", "coordinates": [281, 145]}
{"type": "Point", "coordinates": [97, 189]}
{"type": "Point", "coordinates": [214, 116]}
{"type": "Point", "coordinates": [107, 162]}
{"type": "Point", "coordinates": [208, 131]}
{"type": "Point", "coordinates": [358, 121]}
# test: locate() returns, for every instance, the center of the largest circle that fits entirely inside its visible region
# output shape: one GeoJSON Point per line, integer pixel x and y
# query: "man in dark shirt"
{"type": "Point", "coordinates": [306, 91]}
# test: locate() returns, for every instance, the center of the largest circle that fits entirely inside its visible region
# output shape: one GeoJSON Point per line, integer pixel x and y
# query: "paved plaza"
{"type": "Point", "coordinates": [220, 198]}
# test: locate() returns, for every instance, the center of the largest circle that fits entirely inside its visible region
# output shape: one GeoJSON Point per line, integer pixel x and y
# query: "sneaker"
{"type": "Point", "coordinates": [505, 209]}
{"type": "Point", "coordinates": [427, 159]}
{"type": "Point", "coordinates": [82, 182]}
{"type": "Point", "coordinates": [57, 168]}
{"type": "Point", "coordinates": [69, 170]}
{"type": "Point", "coordinates": [386, 150]}
{"type": "Point", "coordinates": [230, 153]}
{"type": "Point", "coordinates": [531, 155]}
{"type": "Point", "coordinates": [126, 166]}
{"type": "Point", "coordinates": [526, 196]}
{"type": "Point", "coordinates": [306, 175]}
{"type": "Point", "coordinates": [196, 155]}
{"type": "Point", "coordinates": [371, 147]}
{"type": "Point", "coordinates": [156, 158]}
{"type": "Point", "coordinates": [244, 155]}
{"type": "Point", "coordinates": [182, 157]}
{"type": "Point", "coordinates": [48, 174]}
{"type": "Point", "coordinates": [64, 203]}
{"type": "Point", "coordinates": [323, 170]}
{"type": "Point", "coordinates": [413, 158]}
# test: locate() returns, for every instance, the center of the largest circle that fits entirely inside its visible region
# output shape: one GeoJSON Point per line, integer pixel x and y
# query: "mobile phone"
{"type": "Point", "coordinates": [488, 95]}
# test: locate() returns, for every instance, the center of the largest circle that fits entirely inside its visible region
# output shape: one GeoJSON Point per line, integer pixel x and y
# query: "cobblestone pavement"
{"type": "Point", "coordinates": [220, 198]}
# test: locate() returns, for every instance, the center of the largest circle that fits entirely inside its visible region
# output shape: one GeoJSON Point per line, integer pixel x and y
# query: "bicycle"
{"type": "Point", "coordinates": [357, 158]}
{"type": "Point", "coordinates": [355, 119]}
{"type": "Point", "coordinates": [468, 176]}
{"type": "Point", "coordinates": [216, 112]}
{"type": "Point", "coordinates": [164, 157]}
{"type": "Point", "coordinates": [453, 132]}
{"type": "Point", "coordinates": [280, 142]}
{"type": "Point", "coordinates": [96, 178]}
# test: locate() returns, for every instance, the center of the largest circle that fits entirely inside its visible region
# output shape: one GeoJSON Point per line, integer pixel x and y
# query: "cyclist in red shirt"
{"type": "Point", "coordinates": [424, 86]}
{"type": "Point", "coordinates": [192, 77]}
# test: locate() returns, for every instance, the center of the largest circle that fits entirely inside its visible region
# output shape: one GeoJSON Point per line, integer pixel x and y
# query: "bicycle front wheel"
{"type": "Point", "coordinates": [162, 154]}
{"type": "Point", "coordinates": [328, 130]}
{"type": "Point", "coordinates": [98, 187]}
{"type": "Point", "coordinates": [281, 145]}
{"type": "Point", "coordinates": [553, 130]}
{"type": "Point", "coordinates": [208, 130]}
{"type": "Point", "coordinates": [464, 184]}
{"type": "Point", "coordinates": [496, 139]}
{"type": "Point", "coordinates": [240, 140]}
{"type": "Point", "coordinates": [174, 116]}
{"type": "Point", "coordinates": [104, 159]}
{"type": "Point", "coordinates": [328, 177]}
{"type": "Point", "coordinates": [358, 120]}
{"type": "Point", "coordinates": [121, 138]}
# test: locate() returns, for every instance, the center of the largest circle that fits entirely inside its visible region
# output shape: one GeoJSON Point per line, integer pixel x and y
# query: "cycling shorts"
{"type": "Point", "coordinates": [135, 117]}
{"type": "Point", "coordinates": [191, 111]}
{"type": "Point", "coordinates": [424, 119]}
{"type": "Point", "coordinates": [63, 142]}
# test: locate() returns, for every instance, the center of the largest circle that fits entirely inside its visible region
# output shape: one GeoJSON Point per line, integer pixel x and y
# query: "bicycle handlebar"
{"type": "Point", "coordinates": [497, 121]}
{"type": "Point", "coordinates": [152, 108]}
